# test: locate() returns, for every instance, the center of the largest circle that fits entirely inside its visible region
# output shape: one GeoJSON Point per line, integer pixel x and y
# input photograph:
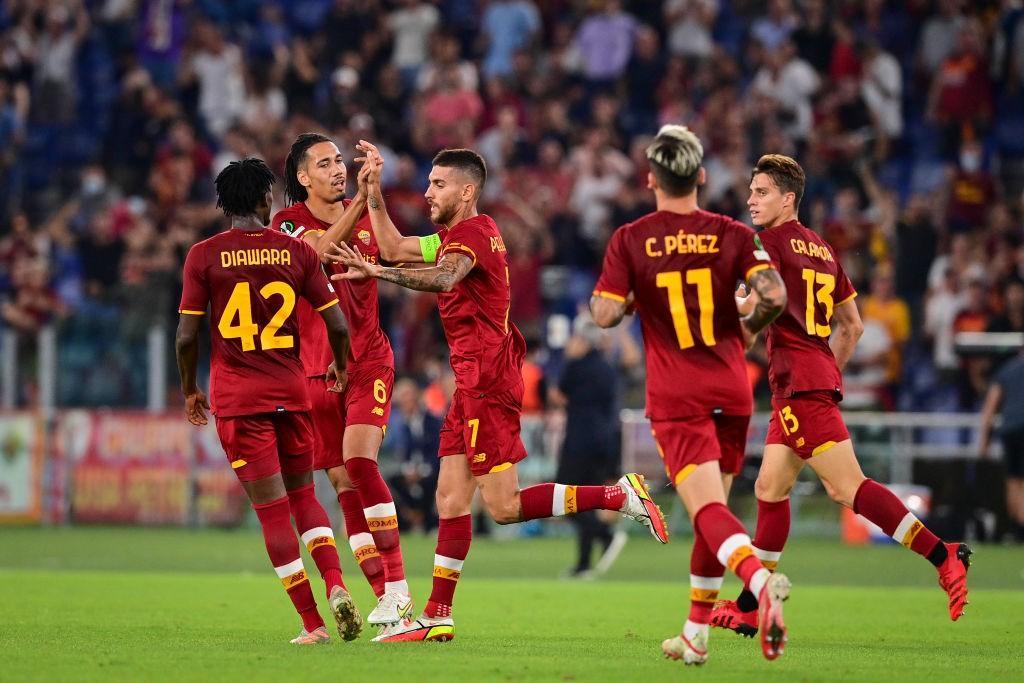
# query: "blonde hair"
{"type": "Point", "coordinates": [675, 155]}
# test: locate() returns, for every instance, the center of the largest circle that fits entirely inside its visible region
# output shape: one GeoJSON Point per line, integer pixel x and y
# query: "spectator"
{"type": "Point", "coordinates": [774, 28]}
{"type": "Point", "coordinates": [882, 90]}
{"type": "Point", "coordinates": [508, 26]}
{"type": "Point", "coordinates": [960, 99]}
{"type": "Point", "coordinates": [790, 82]}
{"type": "Point", "coordinates": [939, 35]}
{"type": "Point", "coordinates": [411, 25]}
{"type": "Point", "coordinates": [882, 306]}
{"type": "Point", "coordinates": [416, 433]}
{"type": "Point", "coordinates": [690, 24]}
{"type": "Point", "coordinates": [605, 41]}
{"type": "Point", "coordinates": [216, 67]}
{"type": "Point", "coordinates": [972, 189]}
{"type": "Point", "coordinates": [56, 86]}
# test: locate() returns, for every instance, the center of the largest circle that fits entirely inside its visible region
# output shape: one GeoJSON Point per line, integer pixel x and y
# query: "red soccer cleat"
{"type": "Point", "coordinates": [727, 614]}
{"type": "Point", "coordinates": [953, 577]}
{"type": "Point", "coordinates": [769, 611]}
{"type": "Point", "coordinates": [641, 507]}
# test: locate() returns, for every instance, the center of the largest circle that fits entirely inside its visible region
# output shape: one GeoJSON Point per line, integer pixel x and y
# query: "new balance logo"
{"type": "Point", "coordinates": [479, 457]}
{"type": "Point", "coordinates": [378, 411]}
{"type": "Point", "coordinates": [295, 579]}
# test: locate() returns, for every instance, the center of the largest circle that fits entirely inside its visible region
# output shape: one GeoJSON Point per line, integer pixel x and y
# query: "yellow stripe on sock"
{"type": "Point", "coordinates": [367, 552]}
{"type": "Point", "coordinates": [703, 595]}
{"type": "Point", "coordinates": [382, 523]}
{"type": "Point", "coordinates": [445, 573]}
{"type": "Point", "coordinates": [570, 500]}
{"type": "Point", "coordinates": [738, 555]}
{"type": "Point", "coordinates": [770, 565]}
{"type": "Point", "coordinates": [912, 532]}
{"type": "Point", "coordinates": [293, 580]}
{"type": "Point", "coordinates": [320, 542]}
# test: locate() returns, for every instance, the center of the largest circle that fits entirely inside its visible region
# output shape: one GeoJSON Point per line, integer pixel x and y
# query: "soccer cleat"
{"type": "Point", "coordinates": [392, 607]}
{"type": "Point", "coordinates": [641, 508]}
{"type": "Point", "coordinates": [690, 651]}
{"type": "Point", "coordinates": [769, 607]}
{"type": "Point", "coordinates": [953, 577]}
{"type": "Point", "coordinates": [318, 636]}
{"type": "Point", "coordinates": [346, 615]}
{"type": "Point", "coordinates": [727, 614]}
{"type": "Point", "coordinates": [422, 629]}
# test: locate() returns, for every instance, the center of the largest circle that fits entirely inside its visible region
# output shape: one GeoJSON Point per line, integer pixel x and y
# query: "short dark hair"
{"type": "Point", "coordinates": [467, 161]}
{"type": "Point", "coordinates": [294, 191]}
{"type": "Point", "coordinates": [242, 185]}
{"type": "Point", "coordinates": [785, 172]}
{"type": "Point", "coordinates": [675, 157]}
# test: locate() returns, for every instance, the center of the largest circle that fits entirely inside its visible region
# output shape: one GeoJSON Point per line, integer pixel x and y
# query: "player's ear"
{"type": "Point", "coordinates": [702, 176]}
{"type": "Point", "coordinates": [303, 177]}
{"type": "Point", "coordinates": [652, 182]}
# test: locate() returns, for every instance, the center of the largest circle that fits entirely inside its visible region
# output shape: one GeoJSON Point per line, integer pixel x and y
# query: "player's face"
{"type": "Point", "coordinates": [324, 174]}
{"type": "Point", "coordinates": [444, 193]}
{"type": "Point", "coordinates": [767, 203]}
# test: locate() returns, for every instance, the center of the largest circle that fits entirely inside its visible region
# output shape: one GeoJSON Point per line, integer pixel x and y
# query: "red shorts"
{"type": "Point", "coordinates": [366, 401]}
{"type": "Point", "coordinates": [808, 423]}
{"type": "Point", "coordinates": [688, 442]}
{"type": "Point", "coordinates": [258, 446]}
{"type": "Point", "coordinates": [484, 428]}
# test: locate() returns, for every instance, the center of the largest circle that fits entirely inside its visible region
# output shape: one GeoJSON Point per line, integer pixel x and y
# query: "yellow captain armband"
{"type": "Point", "coordinates": [429, 246]}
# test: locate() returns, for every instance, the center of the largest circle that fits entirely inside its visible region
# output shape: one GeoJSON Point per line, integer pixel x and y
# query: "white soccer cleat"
{"type": "Point", "coordinates": [641, 507]}
{"type": "Point", "coordinates": [392, 607]}
{"type": "Point", "coordinates": [410, 630]}
{"type": "Point", "coordinates": [693, 651]}
{"type": "Point", "coordinates": [346, 615]}
{"type": "Point", "coordinates": [317, 636]}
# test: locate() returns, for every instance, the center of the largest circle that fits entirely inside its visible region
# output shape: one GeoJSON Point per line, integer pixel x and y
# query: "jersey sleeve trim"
{"type": "Point", "coordinates": [610, 295]}
{"type": "Point", "coordinates": [458, 246]}
{"type": "Point", "coordinates": [185, 311]}
{"type": "Point", "coordinates": [847, 299]}
{"type": "Point", "coordinates": [754, 269]}
{"type": "Point", "coordinates": [327, 305]}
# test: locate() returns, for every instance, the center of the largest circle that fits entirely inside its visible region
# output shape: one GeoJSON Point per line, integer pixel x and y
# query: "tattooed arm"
{"type": "Point", "coordinates": [443, 277]}
{"type": "Point", "coordinates": [771, 299]}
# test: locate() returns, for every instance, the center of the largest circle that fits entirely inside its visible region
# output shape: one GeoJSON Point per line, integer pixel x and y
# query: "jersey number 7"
{"type": "Point", "coordinates": [673, 282]}
{"type": "Point", "coordinates": [240, 306]}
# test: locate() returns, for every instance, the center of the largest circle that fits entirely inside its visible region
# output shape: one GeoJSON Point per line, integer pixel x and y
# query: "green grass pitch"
{"type": "Point", "coordinates": [136, 604]}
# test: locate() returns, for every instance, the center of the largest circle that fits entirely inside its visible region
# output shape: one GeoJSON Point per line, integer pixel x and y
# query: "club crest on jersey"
{"type": "Point", "coordinates": [364, 236]}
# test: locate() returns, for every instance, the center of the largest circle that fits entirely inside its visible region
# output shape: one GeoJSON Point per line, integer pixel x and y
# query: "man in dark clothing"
{"type": "Point", "coordinates": [1007, 393]}
{"type": "Point", "coordinates": [591, 451]}
{"type": "Point", "coordinates": [416, 433]}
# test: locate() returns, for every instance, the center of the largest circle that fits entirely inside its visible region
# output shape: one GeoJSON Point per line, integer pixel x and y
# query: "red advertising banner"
{"type": "Point", "coordinates": [139, 468]}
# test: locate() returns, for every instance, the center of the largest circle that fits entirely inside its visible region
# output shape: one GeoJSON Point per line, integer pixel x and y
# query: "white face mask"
{"type": "Point", "coordinates": [970, 161]}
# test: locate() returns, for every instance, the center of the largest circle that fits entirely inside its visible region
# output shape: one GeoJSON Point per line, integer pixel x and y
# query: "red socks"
{"type": "Point", "coordinates": [360, 540]}
{"type": "Point", "coordinates": [381, 518]}
{"type": "Point", "coordinates": [283, 550]}
{"type": "Point", "coordinates": [772, 531]}
{"type": "Point", "coordinates": [706, 574]}
{"type": "Point", "coordinates": [555, 500]}
{"type": "Point", "coordinates": [881, 506]}
{"type": "Point", "coordinates": [315, 531]}
{"type": "Point", "coordinates": [453, 539]}
{"type": "Point", "coordinates": [725, 536]}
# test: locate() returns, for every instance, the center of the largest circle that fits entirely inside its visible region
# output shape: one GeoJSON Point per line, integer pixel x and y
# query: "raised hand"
{"type": "Point", "coordinates": [349, 256]}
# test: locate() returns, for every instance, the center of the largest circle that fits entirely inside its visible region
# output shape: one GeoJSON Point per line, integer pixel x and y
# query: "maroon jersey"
{"type": "Point", "coordinates": [799, 357]}
{"type": "Point", "coordinates": [682, 270]}
{"type": "Point", "coordinates": [486, 349]}
{"type": "Point", "coordinates": [251, 281]}
{"type": "Point", "coordinates": [369, 345]}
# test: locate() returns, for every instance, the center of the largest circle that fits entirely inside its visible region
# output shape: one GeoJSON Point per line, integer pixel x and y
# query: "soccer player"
{"type": "Point", "coordinates": [808, 346]}
{"type": "Point", "coordinates": [679, 267]}
{"type": "Point", "coordinates": [480, 443]}
{"type": "Point", "coordinates": [349, 427]}
{"type": "Point", "coordinates": [251, 278]}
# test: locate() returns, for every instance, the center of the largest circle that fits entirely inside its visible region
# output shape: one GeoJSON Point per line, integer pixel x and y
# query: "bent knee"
{"type": "Point", "coordinates": [843, 493]}
{"type": "Point", "coordinates": [771, 489]}
{"type": "Point", "coordinates": [505, 511]}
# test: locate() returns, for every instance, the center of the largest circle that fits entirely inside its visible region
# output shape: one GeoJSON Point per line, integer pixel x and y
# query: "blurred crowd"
{"type": "Point", "coordinates": [907, 116]}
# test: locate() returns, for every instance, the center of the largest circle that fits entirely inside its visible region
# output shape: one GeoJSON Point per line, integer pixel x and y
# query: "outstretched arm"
{"type": "Point", "coordinates": [771, 299]}
{"type": "Point", "coordinates": [341, 230]}
{"type": "Point", "coordinates": [443, 277]}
